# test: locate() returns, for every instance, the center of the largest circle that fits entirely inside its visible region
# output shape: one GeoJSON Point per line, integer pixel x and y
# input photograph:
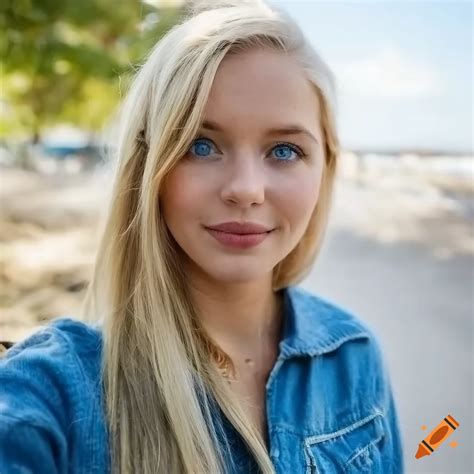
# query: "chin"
{"type": "Point", "coordinates": [238, 274]}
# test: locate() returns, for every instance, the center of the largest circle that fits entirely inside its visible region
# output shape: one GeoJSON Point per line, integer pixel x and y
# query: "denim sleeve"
{"type": "Point", "coordinates": [393, 456]}
{"type": "Point", "coordinates": [28, 448]}
{"type": "Point", "coordinates": [36, 376]}
{"type": "Point", "coordinates": [392, 451]}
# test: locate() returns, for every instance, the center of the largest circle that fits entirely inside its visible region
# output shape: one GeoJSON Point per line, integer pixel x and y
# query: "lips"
{"type": "Point", "coordinates": [241, 228]}
{"type": "Point", "coordinates": [240, 241]}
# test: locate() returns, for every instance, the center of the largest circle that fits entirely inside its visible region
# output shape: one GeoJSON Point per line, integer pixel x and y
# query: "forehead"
{"type": "Point", "coordinates": [262, 87]}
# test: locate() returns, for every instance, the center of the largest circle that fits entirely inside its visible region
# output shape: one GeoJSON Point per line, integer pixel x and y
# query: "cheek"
{"type": "Point", "coordinates": [178, 197]}
{"type": "Point", "coordinates": [297, 199]}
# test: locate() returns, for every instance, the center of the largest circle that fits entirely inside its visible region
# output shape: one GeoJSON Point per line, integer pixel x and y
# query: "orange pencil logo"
{"type": "Point", "coordinates": [438, 436]}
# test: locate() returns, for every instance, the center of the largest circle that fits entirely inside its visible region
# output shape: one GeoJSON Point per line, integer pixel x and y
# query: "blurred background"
{"type": "Point", "coordinates": [399, 251]}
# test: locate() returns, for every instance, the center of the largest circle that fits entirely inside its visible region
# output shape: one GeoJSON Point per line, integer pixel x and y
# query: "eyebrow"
{"type": "Point", "coordinates": [287, 130]}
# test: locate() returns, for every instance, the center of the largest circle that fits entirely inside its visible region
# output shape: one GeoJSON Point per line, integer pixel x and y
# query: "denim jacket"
{"type": "Point", "coordinates": [330, 407]}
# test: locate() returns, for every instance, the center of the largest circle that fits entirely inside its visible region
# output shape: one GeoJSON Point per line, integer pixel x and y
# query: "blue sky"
{"type": "Point", "coordinates": [404, 70]}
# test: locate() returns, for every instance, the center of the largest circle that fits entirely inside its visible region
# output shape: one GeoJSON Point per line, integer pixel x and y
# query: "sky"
{"type": "Point", "coordinates": [404, 70]}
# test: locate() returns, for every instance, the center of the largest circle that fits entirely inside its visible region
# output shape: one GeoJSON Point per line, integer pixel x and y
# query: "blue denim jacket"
{"type": "Point", "coordinates": [330, 407]}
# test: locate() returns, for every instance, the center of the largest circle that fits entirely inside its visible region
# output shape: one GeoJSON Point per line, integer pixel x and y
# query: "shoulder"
{"type": "Point", "coordinates": [318, 325]}
{"type": "Point", "coordinates": [65, 343]}
{"type": "Point", "coordinates": [50, 398]}
{"type": "Point", "coordinates": [324, 308]}
{"type": "Point", "coordinates": [46, 372]}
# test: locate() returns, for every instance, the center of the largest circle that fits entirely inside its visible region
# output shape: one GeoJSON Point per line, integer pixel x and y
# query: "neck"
{"type": "Point", "coordinates": [245, 320]}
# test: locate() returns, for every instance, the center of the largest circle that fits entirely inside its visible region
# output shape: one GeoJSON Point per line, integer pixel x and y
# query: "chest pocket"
{"type": "Point", "coordinates": [354, 448]}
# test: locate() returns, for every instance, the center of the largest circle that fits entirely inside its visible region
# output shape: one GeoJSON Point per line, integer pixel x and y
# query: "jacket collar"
{"type": "Point", "coordinates": [314, 325]}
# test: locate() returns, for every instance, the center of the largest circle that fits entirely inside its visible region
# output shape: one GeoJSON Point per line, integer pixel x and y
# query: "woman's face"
{"type": "Point", "coordinates": [237, 170]}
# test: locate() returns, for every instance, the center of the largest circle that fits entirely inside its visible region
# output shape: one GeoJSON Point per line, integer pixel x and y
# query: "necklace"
{"type": "Point", "coordinates": [225, 365]}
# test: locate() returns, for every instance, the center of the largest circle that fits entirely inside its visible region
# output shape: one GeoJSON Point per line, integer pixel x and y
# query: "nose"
{"type": "Point", "coordinates": [245, 181]}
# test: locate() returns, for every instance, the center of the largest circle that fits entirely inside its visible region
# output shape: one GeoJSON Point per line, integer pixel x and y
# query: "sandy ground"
{"type": "Point", "coordinates": [399, 253]}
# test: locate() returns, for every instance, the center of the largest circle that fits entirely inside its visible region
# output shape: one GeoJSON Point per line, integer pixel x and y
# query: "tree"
{"type": "Point", "coordinates": [64, 59]}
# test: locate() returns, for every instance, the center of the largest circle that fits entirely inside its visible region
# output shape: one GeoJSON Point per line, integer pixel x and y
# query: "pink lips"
{"type": "Point", "coordinates": [235, 227]}
{"type": "Point", "coordinates": [239, 234]}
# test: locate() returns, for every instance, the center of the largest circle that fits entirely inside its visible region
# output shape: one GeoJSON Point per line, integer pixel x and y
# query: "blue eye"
{"type": "Point", "coordinates": [292, 148]}
{"type": "Point", "coordinates": [202, 147]}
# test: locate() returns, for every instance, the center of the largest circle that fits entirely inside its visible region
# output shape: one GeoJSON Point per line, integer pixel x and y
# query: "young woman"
{"type": "Point", "coordinates": [205, 357]}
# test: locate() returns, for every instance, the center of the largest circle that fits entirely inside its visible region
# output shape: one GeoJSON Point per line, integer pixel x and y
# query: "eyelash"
{"type": "Point", "coordinates": [299, 152]}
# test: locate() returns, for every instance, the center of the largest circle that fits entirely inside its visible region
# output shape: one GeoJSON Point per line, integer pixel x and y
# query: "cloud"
{"type": "Point", "coordinates": [389, 73]}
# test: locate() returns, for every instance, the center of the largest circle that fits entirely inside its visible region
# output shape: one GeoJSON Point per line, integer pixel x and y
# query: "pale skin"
{"type": "Point", "coordinates": [240, 173]}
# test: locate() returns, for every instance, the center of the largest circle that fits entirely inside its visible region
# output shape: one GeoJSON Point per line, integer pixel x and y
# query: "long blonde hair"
{"type": "Point", "coordinates": [160, 382]}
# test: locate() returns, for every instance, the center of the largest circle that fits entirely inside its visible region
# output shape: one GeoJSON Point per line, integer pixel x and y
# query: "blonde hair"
{"type": "Point", "coordinates": [160, 384]}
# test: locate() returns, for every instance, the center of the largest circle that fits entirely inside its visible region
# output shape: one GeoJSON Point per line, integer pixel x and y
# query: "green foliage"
{"type": "Point", "coordinates": [63, 60]}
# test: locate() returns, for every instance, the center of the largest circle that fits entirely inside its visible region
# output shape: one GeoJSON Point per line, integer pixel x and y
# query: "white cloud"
{"type": "Point", "coordinates": [389, 73]}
